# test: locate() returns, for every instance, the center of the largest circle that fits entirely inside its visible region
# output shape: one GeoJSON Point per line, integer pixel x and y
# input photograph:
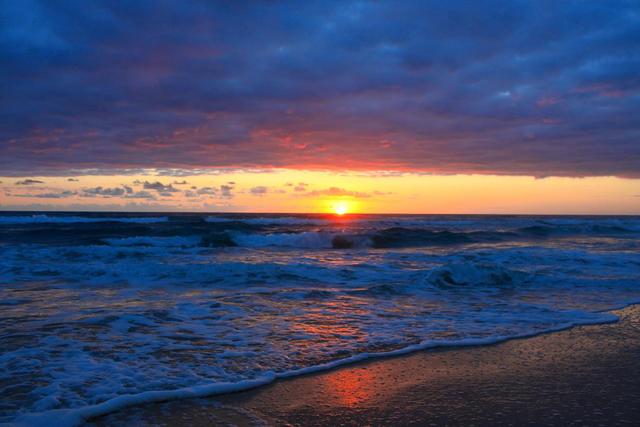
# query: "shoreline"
{"type": "Point", "coordinates": [273, 403]}
{"type": "Point", "coordinates": [69, 417]}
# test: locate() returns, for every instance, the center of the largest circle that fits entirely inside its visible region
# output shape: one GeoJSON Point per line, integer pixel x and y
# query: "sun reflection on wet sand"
{"type": "Point", "coordinates": [351, 387]}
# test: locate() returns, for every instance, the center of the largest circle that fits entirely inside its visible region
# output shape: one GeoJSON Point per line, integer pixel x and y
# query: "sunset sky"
{"type": "Point", "coordinates": [412, 106]}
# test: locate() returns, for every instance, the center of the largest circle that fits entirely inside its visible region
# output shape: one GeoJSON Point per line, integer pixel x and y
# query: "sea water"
{"type": "Point", "coordinates": [98, 311]}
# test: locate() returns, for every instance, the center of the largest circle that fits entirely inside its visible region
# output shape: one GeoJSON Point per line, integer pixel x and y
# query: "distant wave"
{"type": "Point", "coordinates": [62, 219]}
{"type": "Point", "coordinates": [389, 238]}
{"type": "Point", "coordinates": [305, 240]}
{"type": "Point", "coordinates": [173, 241]}
{"type": "Point", "coordinates": [269, 220]}
{"type": "Point", "coordinates": [577, 228]}
{"type": "Point", "coordinates": [470, 274]}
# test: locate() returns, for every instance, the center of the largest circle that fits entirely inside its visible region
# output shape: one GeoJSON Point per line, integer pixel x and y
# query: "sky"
{"type": "Point", "coordinates": [288, 106]}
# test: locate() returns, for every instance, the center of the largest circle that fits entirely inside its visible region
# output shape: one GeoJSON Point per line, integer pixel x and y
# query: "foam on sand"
{"type": "Point", "coordinates": [78, 416]}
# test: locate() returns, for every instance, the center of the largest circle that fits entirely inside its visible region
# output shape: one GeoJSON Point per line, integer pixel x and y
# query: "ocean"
{"type": "Point", "coordinates": [98, 311]}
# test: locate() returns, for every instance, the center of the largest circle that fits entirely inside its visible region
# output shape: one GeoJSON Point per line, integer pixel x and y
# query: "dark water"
{"type": "Point", "coordinates": [95, 306]}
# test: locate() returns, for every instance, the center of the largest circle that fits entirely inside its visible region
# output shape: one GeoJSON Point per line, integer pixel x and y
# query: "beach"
{"type": "Point", "coordinates": [586, 375]}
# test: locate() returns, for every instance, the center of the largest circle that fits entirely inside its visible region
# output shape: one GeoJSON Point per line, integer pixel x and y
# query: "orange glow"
{"type": "Point", "coordinates": [351, 387]}
{"type": "Point", "coordinates": [339, 195]}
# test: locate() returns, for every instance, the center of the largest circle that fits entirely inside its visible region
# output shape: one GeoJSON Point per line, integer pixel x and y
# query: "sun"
{"type": "Point", "coordinates": [340, 208]}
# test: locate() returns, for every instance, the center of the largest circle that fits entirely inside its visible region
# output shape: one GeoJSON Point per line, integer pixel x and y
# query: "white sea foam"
{"type": "Point", "coordinates": [470, 274]}
{"type": "Point", "coordinates": [303, 240]}
{"type": "Point", "coordinates": [78, 416]}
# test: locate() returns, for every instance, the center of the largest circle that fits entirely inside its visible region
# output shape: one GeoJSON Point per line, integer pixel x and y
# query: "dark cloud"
{"type": "Point", "coordinates": [260, 190]}
{"type": "Point", "coordinates": [60, 195]}
{"type": "Point", "coordinates": [183, 182]}
{"type": "Point", "coordinates": [160, 187]}
{"type": "Point", "coordinates": [105, 192]}
{"type": "Point", "coordinates": [300, 187]}
{"type": "Point", "coordinates": [209, 191]}
{"type": "Point", "coordinates": [225, 192]}
{"type": "Point", "coordinates": [182, 172]}
{"type": "Point", "coordinates": [29, 181]}
{"type": "Point", "coordinates": [73, 179]}
{"type": "Point", "coordinates": [131, 206]}
{"type": "Point", "coordinates": [510, 87]}
{"type": "Point", "coordinates": [140, 195]}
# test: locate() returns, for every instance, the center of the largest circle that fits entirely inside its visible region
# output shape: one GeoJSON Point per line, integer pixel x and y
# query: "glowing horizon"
{"type": "Point", "coordinates": [303, 191]}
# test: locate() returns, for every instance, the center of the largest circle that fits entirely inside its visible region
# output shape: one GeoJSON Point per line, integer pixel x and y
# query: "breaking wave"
{"type": "Point", "coordinates": [269, 220]}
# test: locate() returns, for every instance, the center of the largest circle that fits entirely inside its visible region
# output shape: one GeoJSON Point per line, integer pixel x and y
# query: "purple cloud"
{"type": "Point", "coordinates": [159, 187]}
{"type": "Point", "coordinates": [506, 87]}
{"type": "Point", "coordinates": [226, 192]}
{"type": "Point", "coordinates": [59, 195]}
{"type": "Point", "coordinates": [209, 191]}
{"type": "Point", "coordinates": [105, 192]}
{"type": "Point", "coordinates": [29, 181]}
{"type": "Point", "coordinates": [260, 190]}
{"type": "Point", "coordinates": [140, 195]}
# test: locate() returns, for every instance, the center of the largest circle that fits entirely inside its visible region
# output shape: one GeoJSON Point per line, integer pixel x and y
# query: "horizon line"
{"type": "Point", "coordinates": [2, 211]}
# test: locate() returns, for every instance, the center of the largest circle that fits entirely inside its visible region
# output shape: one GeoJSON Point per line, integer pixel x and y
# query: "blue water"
{"type": "Point", "coordinates": [96, 306]}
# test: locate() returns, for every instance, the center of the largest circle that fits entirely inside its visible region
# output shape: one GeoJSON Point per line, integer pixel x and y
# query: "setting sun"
{"type": "Point", "coordinates": [341, 208]}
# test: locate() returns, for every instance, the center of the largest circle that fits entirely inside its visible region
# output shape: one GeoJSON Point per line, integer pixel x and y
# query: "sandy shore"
{"type": "Point", "coordinates": [588, 375]}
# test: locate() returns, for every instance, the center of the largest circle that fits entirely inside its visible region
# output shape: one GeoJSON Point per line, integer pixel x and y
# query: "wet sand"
{"type": "Point", "coordinates": [588, 375]}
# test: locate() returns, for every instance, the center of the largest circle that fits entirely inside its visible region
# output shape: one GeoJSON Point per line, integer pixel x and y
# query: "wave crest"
{"type": "Point", "coordinates": [470, 274]}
